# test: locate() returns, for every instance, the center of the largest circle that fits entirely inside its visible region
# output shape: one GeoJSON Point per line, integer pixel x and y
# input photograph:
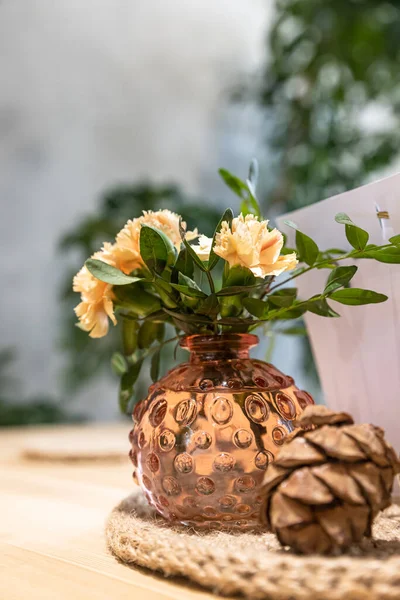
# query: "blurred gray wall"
{"type": "Point", "coordinates": [98, 92]}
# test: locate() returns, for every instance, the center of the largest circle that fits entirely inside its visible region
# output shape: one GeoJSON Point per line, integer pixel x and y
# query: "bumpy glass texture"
{"type": "Point", "coordinates": [205, 435]}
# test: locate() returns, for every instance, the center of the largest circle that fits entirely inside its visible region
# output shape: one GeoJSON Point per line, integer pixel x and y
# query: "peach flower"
{"type": "Point", "coordinates": [249, 243]}
{"type": "Point", "coordinates": [96, 305]}
{"type": "Point", "coordinates": [127, 240]}
{"type": "Point", "coordinates": [203, 248]}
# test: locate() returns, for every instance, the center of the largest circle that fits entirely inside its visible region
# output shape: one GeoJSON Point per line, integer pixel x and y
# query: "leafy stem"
{"type": "Point", "coordinates": [211, 282]}
{"type": "Point", "coordinates": [352, 254]}
{"type": "Point", "coordinates": [159, 346]}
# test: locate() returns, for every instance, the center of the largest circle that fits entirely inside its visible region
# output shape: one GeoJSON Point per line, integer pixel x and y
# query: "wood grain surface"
{"type": "Point", "coordinates": [52, 515]}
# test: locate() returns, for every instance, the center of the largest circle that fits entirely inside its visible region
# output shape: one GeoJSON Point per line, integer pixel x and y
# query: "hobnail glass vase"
{"type": "Point", "coordinates": [205, 435]}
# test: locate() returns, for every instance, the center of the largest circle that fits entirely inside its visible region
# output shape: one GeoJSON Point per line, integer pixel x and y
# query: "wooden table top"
{"type": "Point", "coordinates": [52, 517]}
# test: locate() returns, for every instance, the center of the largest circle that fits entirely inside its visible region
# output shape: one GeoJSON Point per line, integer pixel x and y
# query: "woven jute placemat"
{"type": "Point", "coordinates": [254, 565]}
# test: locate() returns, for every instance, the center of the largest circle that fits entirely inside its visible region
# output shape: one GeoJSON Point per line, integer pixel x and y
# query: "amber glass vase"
{"type": "Point", "coordinates": [205, 435]}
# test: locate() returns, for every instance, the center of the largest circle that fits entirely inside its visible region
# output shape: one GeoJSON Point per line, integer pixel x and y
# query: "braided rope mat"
{"type": "Point", "coordinates": [254, 565]}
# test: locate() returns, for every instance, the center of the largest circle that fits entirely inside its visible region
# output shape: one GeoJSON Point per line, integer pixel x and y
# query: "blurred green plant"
{"type": "Point", "coordinates": [87, 357]}
{"type": "Point", "coordinates": [32, 411]}
{"type": "Point", "coordinates": [331, 96]}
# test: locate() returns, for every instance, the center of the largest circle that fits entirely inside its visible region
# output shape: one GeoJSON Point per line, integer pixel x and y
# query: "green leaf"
{"type": "Point", "coordinates": [184, 263]}
{"type": "Point", "coordinates": [155, 365]}
{"type": "Point", "coordinates": [357, 297]}
{"type": "Point", "coordinates": [158, 317]}
{"type": "Point", "coordinates": [339, 277]}
{"type": "Point", "coordinates": [148, 333]}
{"type": "Point", "coordinates": [251, 183]}
{"type": "Point", "coordinates": [245, 191]}
{"type": "Point", "coordinates": [356, 236]}
{"type": "Point", "coordinates": [389, 255]}
{"type": "Point", "coordinates": [343, 219]}
{"type": "Point", "coordinates": [252, 205]}
{"type": "Point", "coordinates": [291, 224]}
{"type": "Point", "coordinates": [187, 281]}
{"type": "Point", "coordinates": [319, 306]}
{"type": "Point", "coordinates": [295, 312]}
{"type": "Point", "coordinates": [395, 240]}
{"type": "Point", "coordinates": [327, 265]}
{"type": "Point", "coordinates": [236, 290]}
{"type": "Point", "coordinates": [118, 364]}
{"type": "Point", "coordinates": [189, 248]}
{"type": "Point", "coordinates": [154, 249]}
{"type": "Point", "coordinates": [335, 251]}
{"type": "Point", "coordinates": [190, 323]}
{"type": "Point", "coordinates": [209, 307]}
{"type": "Point", "coordinates": [308, 250]}
{"type": "Point", "coordinates": [130, 331]}
{"type": "Point", "coordinates": [161, 332]}
{"type": "Point", "coordinates": [245, 208]}
{"type": "Point", "coordinates": [189, 291]}
{"type": "Point", "coordinates": [230, 306]}
{"type": "Point", "coordinates": [214, 258]}
{"type": "Point", "coordinates": [136, 300]}
{"type": "Point", "coordinates": [108, 274]}
{"type": "Point", "coordinates": [284, 297]}
{"type": "Point", "coordinates": [128, 381]}
{"type": "Point", "coordinates": [234, 183]}
{"type": "Point", "coordinates": [197, 319]}
{"type": "Point", "coordinates": [285, 250]}
{"type": "Point", "coordinates": [239, 276]}
{"type": "Point", "coordinates": [256, 307]}
{"type": "Point", "coordinates": [168, 296]}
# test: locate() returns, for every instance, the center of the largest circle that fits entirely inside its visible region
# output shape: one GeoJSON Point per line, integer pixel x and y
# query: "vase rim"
{"type": "Point", "coordinates": [197, 340]}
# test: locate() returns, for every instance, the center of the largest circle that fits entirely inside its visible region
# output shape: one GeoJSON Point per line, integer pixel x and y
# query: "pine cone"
{"type": "Point", "coordinates": [328, 482]}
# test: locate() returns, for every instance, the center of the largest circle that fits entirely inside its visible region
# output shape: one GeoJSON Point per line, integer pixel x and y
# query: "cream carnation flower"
{"type": "Point", "coordinates": [203, 248]}
{"type": "Point", "coordinates": [249, 243]}
{"type": "Point", "coordinates": [96, 305]}
{"type": "Point", "coordinates": [127, 240]}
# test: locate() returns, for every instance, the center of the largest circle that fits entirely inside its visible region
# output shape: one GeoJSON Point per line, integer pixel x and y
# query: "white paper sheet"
{"type": "Point", "coordinates": [357, 355]}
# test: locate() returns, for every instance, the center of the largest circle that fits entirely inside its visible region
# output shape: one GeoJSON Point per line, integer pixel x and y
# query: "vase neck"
{"type": "Point", "coordinates": [205, 348]}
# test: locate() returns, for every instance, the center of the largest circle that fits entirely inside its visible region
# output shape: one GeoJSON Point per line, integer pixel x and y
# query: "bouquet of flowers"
{"type": "Point", "coordinates": [161, 277]}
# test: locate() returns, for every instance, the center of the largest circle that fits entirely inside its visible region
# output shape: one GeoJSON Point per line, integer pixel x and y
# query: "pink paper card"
{"type": "Point", "coordinates": [357, 355]}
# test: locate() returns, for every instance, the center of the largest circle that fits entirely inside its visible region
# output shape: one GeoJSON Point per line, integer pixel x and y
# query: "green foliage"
{"type": "Point", "coordinates": [356, 236]}
{"type": "Point", "coordinates": [339, 277]}
{"type": "Point", "coordinates": [156, 249]}
{"type": "Point", "coordinates": [88, 357]}
{"type": "Point", "coordinates": [319, 306]}
{"type": "Point", "coordinates": [184, 265]}
{"type": "Point", "coordinates": [256, 307]}
{"type": "Point", "coordinates": [327, 61]}
{"type": "Point", "coordinates": [107, 273]}
{"type": "Point", "coordinates": [245, 190]}
{"type": "Point", "coordinates": [357, 297]}
{"type": "Point", "coordinates": [163, 295]}
{"type": "Point", "coordinates": [387, 254]}
{"type": "Point", "coordinates": [307, 249]}
{"type": "Point", "coordinates": [283, 298]}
